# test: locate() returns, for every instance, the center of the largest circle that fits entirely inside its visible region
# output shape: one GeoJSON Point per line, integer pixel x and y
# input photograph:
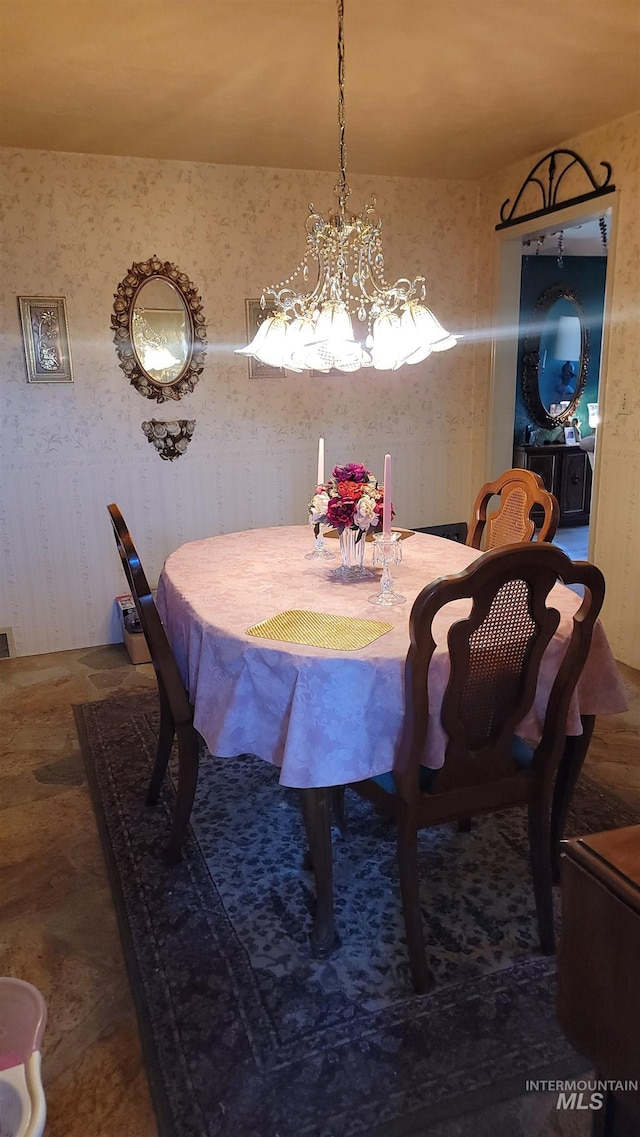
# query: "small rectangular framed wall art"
{"type": "Point", "coordinates": [45, 335]}
{"type": "Point", "coordinates": [570, 436]}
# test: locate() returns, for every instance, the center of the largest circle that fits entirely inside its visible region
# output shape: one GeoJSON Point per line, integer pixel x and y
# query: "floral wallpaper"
{"type": "Point", "coordinates": [72, 226]}
{"type": "Point", "coordinates": [616, 501]}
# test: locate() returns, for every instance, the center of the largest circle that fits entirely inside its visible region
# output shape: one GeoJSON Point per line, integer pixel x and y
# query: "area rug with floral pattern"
{"type": "Point", "coordinates": [244, 1033]}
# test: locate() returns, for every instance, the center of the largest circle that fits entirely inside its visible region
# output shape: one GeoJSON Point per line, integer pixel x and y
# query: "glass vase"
{"type": "Point", "coordinates": [351, 551]}
{"type": "Point", "coordinates": [352, 556]}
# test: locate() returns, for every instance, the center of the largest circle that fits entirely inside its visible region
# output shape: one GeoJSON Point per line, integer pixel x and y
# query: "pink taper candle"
{"type": "Point", "coordinates": [386, 505]}
{"type": "Point", "coordinates": [320, 461]}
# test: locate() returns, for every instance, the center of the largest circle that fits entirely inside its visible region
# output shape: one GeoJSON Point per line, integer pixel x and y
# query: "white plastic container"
{"type": "Point", "coordinates": [23, 1017]}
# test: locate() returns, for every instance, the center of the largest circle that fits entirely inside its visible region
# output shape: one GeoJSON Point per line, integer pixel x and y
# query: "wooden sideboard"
{"type": "Point", "coordinates": [598, 1001]}
{"type": "Point", "coordinates": [566, 472]}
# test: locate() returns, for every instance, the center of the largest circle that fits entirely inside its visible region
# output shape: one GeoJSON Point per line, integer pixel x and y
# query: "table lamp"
{"type": "Point", "coordinates": [568, 347]}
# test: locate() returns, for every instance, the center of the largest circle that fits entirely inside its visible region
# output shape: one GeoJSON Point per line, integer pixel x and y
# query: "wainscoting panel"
{"type": "Point", "coordinates": [62, 569]}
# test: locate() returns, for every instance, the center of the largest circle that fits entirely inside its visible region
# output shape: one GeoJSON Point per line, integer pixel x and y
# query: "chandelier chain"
{"type": "Point", "coordinates": [343, 187]}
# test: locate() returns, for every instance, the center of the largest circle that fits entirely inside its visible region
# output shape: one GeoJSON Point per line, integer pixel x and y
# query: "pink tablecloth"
{"type": "Point", "coordinates": [325, 717]}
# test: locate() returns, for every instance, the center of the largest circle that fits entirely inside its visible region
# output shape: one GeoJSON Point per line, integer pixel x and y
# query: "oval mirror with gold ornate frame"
{"type": "Point", "coordinates": [555, 362]}
{"type": "Point", "coordinates": [160, 331]}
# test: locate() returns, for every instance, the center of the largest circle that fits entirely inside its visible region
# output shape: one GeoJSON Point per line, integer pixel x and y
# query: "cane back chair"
{"type": "Point", "coordinates": [519, 492]}
{"type": "Point", "coordinates": [495, 654]}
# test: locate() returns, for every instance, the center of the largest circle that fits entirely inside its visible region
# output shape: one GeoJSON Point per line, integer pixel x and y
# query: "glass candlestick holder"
{"type": "Point", "coordinates": [387, 551]}
{"type": "Point", "coordinates": [320, 550]}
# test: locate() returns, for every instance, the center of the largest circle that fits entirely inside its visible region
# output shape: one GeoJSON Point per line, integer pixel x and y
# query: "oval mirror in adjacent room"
{"type": "Point", "coordinates": [160, 331]}
{"type": "Point", "coordinates": [556, 357]}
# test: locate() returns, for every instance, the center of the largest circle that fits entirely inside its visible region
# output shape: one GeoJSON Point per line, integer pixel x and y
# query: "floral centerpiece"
{"type": "Point", "coordinates": [351, 502]}
{"type": "Point", "coordinates": [351, 499]}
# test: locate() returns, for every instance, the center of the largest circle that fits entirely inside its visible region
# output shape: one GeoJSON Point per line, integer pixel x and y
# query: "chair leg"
{"type": "Point", "coordinates": [336, 794]}
{"type": "Point", "coordinates": [410, 890]}
{"type": "Point", "coordinates": [337, 802]}
{"type": "Point", "coordinates": [188, 761]}
{"type": "Point", "coordinates": [575, 752]}
{"type": "Point", "coordinates": [165, 742]}
{"type": "Point", "coordinates": [540, 848]}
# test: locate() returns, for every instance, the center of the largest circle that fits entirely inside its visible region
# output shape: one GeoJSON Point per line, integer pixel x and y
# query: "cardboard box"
{"type": "Point", "coordinates": [137, 647]}
{"type": "Point", "coordinates": [134, 642]}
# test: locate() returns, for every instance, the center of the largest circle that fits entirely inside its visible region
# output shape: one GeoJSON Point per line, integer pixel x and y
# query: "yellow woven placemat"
{"type": "Point", "coordinates": [319, 629]}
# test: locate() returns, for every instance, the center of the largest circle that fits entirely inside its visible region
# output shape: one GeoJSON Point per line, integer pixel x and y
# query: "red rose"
{"type": "Point", "coordinates": [340, 512]}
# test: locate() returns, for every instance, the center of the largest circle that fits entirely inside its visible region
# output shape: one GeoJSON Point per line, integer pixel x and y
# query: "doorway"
{"type": "Point", "coordinates": [571, 254]}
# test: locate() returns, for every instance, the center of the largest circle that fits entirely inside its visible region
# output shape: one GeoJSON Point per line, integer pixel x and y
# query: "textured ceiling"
{"type": "Point", "coordinates": [435, 88]}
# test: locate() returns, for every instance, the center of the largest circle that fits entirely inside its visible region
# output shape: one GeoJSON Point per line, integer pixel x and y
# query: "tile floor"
{"type": "Point", "coordinates": [574, 541]}
{"type": "Point", "coordinates": [57, 923]}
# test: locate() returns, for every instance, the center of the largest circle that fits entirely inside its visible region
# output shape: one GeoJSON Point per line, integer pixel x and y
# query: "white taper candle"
{"type": "Point", "coordinates": [320, 461]}
{"type": "Point", "coordinates": [386, 505]}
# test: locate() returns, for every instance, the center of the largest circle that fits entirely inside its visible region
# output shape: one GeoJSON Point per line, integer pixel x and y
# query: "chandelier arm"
{"type": "Point", "coordinates": [389, 296]}
{"type": "Point", "coordinates": [287, 298]}
{"type": "Point", "coordinates": [403, 287]}
{"type": "Point", "coordinates": [281, 297]}
{"type": "Point", "coordinates": [314, 298]}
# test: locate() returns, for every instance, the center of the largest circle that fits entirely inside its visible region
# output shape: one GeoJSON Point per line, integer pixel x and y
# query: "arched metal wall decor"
{"type": "Point", "coordinates": [531, 359]}
{"type": "Point", "coordinates": [163, 360]}
{"type": "Point", "coordinates": [559, 164]}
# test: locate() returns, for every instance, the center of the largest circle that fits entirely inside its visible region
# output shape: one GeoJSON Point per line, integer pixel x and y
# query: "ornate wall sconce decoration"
{"type": "Point", "coordinates": [169, 438]}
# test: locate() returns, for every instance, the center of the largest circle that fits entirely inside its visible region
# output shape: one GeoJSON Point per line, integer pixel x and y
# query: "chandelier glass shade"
{"type": "Point", "coordinates": [336, 310]}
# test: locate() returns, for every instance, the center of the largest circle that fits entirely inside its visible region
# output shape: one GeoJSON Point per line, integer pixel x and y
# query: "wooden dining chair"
{"type": "Point", "coordinates": [176, 714]}
{"type": "Point", "coordinates": [520, 491]}
{"type": "Point", "coordinates": [495, 654]}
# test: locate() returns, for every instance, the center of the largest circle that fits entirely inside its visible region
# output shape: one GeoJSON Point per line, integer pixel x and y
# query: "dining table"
{"type": "Point", "coordinates": [327, 716]}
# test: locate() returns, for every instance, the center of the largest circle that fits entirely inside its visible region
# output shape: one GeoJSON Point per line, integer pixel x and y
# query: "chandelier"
{"type": "Point", "coordinates": [313, 328]}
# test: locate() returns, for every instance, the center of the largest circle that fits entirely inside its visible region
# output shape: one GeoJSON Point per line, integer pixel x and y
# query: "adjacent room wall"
{"type": "Point", "coordinates": [615, 518]}
{"type": "Point", "coordinates": [72, 225]}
